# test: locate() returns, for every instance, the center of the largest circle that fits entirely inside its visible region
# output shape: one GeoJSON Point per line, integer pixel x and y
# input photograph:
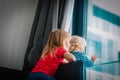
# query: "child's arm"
{"type": "Point", "coordinates": [87, 62]}
{"type": "Point", "coordinates": [69, 57]}
{"type": "Point", "coordinates": [65, 61]}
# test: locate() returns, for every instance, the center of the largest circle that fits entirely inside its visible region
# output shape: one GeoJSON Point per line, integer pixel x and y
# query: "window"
{"type": "Point", "coordinates": [103, 35]}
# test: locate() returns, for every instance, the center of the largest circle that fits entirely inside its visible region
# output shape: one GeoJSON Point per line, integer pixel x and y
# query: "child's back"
{"type": "Point", "coordinates": [50, 64]}
{"type": "Point", "coordinates": [82, 56]}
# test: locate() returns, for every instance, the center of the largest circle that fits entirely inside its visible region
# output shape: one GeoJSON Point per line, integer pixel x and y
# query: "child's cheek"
{"type": "Point", "coordinates": [68, 45]}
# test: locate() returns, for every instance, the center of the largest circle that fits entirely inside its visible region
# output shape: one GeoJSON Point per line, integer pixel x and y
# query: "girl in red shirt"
{"type": "Point", "coordinates": [54, 54]}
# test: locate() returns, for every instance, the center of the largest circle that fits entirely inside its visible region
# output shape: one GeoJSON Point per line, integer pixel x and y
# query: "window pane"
{"type": "Point", "coordinates": [104, 72]}
{"type": "Point", "coordinates": [103, 39]}
{"type": "Point", "coordinates": [103, 35]}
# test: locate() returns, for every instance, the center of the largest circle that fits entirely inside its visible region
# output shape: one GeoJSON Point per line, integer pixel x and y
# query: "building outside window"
{"type": "Point", "coordinates": [103, 39]}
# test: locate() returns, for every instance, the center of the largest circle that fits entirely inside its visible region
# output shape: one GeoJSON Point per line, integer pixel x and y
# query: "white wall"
{"type": "Point", "coordinates": [16, 18]}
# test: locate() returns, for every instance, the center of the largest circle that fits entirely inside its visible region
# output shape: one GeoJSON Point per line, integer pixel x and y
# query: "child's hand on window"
{"type": "Point", "coordinates": [93, 57]}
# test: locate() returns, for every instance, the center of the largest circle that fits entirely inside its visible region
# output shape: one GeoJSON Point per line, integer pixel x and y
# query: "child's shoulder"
{"type": "Point", "coordinates": [78, 52]}
{"type": "Point", "coordinates": [60, 51]}
{"type": "Point", "coordinates": [60, 48]}
{"type": "Point", "coordinates": [82, 54]}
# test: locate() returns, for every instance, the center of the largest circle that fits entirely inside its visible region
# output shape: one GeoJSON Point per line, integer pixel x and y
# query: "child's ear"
{"type": "Point", "coordinates": [67, 45]}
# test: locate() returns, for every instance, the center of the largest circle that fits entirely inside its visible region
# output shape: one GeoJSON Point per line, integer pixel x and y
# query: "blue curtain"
{"type": "Point", "coordinates": [79, 22]}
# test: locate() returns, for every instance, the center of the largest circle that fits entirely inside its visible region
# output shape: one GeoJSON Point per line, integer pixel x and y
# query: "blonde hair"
{"type": "Point", "coordinates": [77, 40]}
{"type": "Point", "coordinates": [55, 39]}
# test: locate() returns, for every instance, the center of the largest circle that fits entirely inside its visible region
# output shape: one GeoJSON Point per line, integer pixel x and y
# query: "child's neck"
{"type": "Point", "coordinates": [76, 49]}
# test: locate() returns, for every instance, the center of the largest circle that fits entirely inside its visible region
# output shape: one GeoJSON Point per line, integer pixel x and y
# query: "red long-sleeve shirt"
{"type": "Point", "coordinates": [50, 64]}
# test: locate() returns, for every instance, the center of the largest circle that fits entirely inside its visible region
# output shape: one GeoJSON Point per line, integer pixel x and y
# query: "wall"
{"type": "Point", "coordinates": [16, 18]}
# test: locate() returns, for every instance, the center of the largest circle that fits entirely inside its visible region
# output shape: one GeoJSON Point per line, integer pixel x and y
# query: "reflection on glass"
{"type": "Point", "coordinates": [104, 72]}
{"type": "Point", "coordinates": [103, 38]}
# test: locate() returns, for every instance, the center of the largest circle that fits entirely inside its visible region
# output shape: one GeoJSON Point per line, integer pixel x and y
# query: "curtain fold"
{"type": "Point", "coordinates": [49, 16]}
{"type": "Point", "coordinates": [79, 21]}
